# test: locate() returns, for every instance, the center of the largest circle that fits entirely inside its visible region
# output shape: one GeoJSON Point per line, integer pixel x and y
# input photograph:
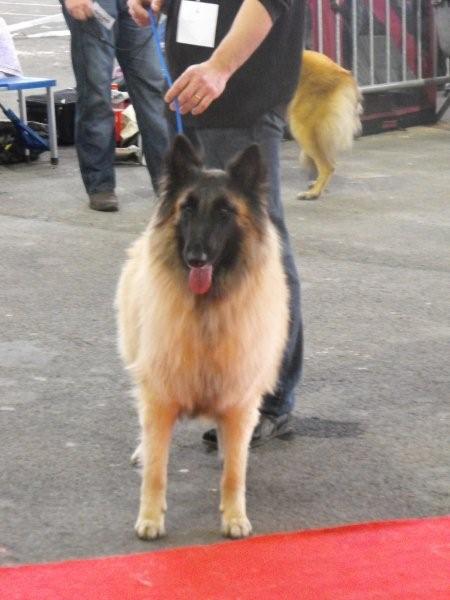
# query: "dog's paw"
{"type": "Point", "coordinates": [150, 529]}
{"type": "Point", "coordinates": [309, 195]}
{"type": "Point", "coordinates": [236, 527]}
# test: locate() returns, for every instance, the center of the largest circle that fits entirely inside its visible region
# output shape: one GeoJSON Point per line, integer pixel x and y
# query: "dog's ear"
{"type": "Point", "coordinates": [247, 172]}
{"type": "Point", "coordinates": [181, 166]}
{"type": "Point", "coordinates": [182, 162]}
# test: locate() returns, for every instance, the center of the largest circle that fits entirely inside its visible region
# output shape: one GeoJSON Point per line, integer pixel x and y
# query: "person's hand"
{"type": "Point", "coordinates": [79, 9]}
{"type": "Point", "coordinates": [138, 10]}
{"type": "Point", "coordinates": [197, 87]}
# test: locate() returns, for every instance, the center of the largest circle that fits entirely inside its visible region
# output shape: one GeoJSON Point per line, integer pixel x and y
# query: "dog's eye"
{"type": "Point", "coordinates": [189, 206]}
{"type": "Point", "coordinates": [224, 209]}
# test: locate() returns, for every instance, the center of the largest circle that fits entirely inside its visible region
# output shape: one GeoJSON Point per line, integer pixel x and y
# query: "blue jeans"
{"type": "Point", "coordinates": [93, 50]}
{"type": "Point", "coordinates": [220, 145]}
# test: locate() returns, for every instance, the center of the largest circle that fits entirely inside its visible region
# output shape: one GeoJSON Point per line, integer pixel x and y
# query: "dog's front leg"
{"type": "Point", "coordinates": [157, 423]}
{"type": "Point", "coordinates": [236, 428]}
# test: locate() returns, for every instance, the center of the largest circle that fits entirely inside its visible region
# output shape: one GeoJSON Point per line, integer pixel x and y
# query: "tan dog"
{"type": "Point", "coordinates": [324, 116]}
{"type": "Point", "coordinates": [203, 319]}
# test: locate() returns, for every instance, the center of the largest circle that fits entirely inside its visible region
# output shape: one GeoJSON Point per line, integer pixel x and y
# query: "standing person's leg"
{"type": "Point", "coordinates": [218, 147]}
{"type": "Point", "coordinates": [92, 61]}
{"type": "Point", "coordinates": [269, 133]}
{"type": "Point", "coordinates": [137, 56]}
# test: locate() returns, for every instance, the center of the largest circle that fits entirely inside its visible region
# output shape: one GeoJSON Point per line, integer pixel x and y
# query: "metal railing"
{"type": "Point", "coordinates": [388, 44]}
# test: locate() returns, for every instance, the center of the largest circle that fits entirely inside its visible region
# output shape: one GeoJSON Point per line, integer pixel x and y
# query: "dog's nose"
{"type": "Point", "coordinates": [196, 259]}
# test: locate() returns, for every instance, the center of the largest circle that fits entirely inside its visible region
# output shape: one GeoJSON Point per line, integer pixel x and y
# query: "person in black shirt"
{"type": "Point", "coordinates": [236, 65]}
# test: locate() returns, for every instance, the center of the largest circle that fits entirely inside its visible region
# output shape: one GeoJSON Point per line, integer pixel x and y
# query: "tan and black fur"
{"type": "Point", "coordinates": [213, 353]}
{"type": "Point", "coordinates": [324, 116]}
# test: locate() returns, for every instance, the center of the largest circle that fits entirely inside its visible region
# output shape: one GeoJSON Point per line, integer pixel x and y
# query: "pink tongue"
{"type": "Point", "coordinates": [200, 279]}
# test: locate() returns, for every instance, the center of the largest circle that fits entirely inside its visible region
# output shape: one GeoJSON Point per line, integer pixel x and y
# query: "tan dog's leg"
{"type": "Point", "coordinates": [309, 165]}
{"type": "Point", "coordinates": [236, 429]}
{"type": "Point", "coordinates": [157, 424]}
{"type": "Point", "coordinates": [324, 169]}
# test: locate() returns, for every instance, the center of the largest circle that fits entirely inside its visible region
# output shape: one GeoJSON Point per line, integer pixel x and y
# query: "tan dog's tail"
{"type": "Point", "coordinates": [342, 123]}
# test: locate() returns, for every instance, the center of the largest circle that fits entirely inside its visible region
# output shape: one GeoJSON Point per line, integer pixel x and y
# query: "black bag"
{"type": "Point", "coordinates": [65, 101]}
{"type": "Point", "coordinates": [12, 148]}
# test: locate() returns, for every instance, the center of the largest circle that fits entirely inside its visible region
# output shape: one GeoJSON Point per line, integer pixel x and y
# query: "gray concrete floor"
{"type": "Point", "coordinates": [372, 415]}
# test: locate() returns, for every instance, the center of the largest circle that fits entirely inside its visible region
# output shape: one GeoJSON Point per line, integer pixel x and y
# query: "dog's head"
{"type": "Point", "coordinates": [215, 215]}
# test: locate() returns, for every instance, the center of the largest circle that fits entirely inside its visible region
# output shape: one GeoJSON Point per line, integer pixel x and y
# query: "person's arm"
{"type": "Point", "coordinates": [200, 84]}
{"type": "Point", "coordinates": [79, 9]}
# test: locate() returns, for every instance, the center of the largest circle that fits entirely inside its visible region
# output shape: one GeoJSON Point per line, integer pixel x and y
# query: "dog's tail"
{"type": "Point", "coordinates": [342, 122]}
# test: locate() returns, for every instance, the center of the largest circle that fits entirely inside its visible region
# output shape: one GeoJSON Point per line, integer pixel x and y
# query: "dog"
{"type": "Point", "coordinates": [323, 116]}
{"type": "Point", "coordinates": [202, 306]}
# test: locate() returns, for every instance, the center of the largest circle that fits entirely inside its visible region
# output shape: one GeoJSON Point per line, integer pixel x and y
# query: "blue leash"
{"type": "Point", "coordinates": [164, 67]}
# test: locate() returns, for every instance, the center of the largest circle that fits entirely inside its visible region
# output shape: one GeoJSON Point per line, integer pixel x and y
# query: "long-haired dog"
{"type": "Point", "coordinates": [203, 319]}
{"type": "Point", "coordinates": [324, 116]}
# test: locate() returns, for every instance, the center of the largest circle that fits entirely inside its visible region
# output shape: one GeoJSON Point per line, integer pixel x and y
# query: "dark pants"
{"type": "Point", "coordinates": [218, 147]}
{"type": "Point", "coordinates": [92, 61]}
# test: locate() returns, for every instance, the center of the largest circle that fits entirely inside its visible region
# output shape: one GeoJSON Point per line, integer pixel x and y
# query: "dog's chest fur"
{"type": "Point", "coordinates": [205, 355]}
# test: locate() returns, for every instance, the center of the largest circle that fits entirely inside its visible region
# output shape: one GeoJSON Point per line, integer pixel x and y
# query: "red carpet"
{"type": "Point", "coordinates": [400, 560]}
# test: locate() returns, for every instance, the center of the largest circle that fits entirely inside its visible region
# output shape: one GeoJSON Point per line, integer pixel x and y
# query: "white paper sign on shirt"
{"type": "Point", "coordinates": [197, 23]}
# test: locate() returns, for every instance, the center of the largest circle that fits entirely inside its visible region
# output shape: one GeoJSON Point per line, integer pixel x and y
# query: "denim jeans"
{"type": "Point", "coordinates": [218, 146]}
{"type": "Point", "coordinates": [93, 50]}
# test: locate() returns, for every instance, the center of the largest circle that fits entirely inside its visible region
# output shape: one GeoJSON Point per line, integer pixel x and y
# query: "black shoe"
{"type": "Point", "coordinates": [268, 427]}
{"type": "Point", "coordinates": [104, 201]}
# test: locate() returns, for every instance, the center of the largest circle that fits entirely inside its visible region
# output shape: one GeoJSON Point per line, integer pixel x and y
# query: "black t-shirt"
{"type": "Point", "coordinates": [266, 81]}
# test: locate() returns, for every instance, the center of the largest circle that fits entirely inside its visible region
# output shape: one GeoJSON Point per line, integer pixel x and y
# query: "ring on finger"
{"type": "Point", "coordinates": [197, 97]}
